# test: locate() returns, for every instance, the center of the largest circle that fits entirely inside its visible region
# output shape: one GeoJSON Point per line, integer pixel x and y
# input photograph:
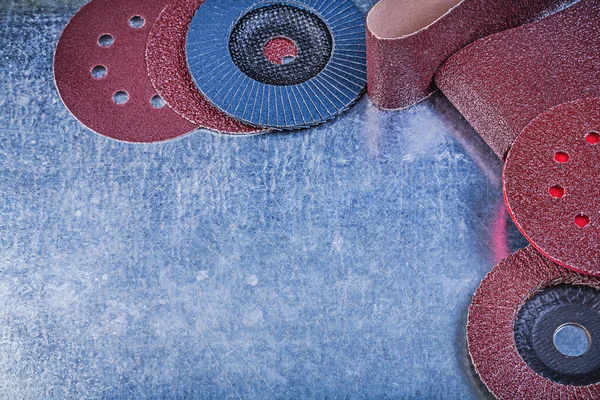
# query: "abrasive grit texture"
{"type": "Point", "coordinates": [491, 321]}
{"type": "Point", "coordinates": [100, 72]}
{"type": "Point", "coordinates": [551, 184]}
{"type": "Point", "coordinates": [168, 70]}
{"type": "Point", "coordinates": [407, 41]}
{"type": "Point", "coordinates": [502, 82]}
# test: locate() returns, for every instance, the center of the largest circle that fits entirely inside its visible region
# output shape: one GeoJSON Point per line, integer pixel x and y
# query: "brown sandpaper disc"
{"type": "Point", "coordinates": [408, 41]}
{"type": "Point", "coordinates": [502, 82]}
{"type": "Point", "coordinates": [552, 188]}
{"type": "Point", "coordinates": [100, 72]}
{"type": "Point", "coordinates": [168, 71]}
{"type": "Point", "coordinates": [496, 311]}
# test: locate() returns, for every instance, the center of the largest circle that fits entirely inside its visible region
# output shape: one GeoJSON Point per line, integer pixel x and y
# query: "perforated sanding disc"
{"type": "Point", "coordinates": [168, 70]}
{"type": "Point", "coordinates": [552, 188]}
{"type": "Point", "coordinates": [230, 45]}
{"type": "Point", "coordinates": [100, 72]}
{"type": "Point", "coordinates": [515, 315]}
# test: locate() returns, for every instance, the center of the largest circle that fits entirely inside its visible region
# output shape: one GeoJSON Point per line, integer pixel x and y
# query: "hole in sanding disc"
{"type": "Point", "coordinates": [557, 192]}
{"type": "Point", "coordinates": [99, 71]}
{"type": "Point", "coordinates": [572, 340]}
{"type": "Point", "coordinates": [121, 97]}
{"type": "Point", "coordinates": [593, 138]}
{"type": "Point", "coordinates": [582, 220]}
{"type": "Point", "coordinates": [562, 157]}
{"type": "Point", "coordinates": [137, 22]}
{"type": "Point", "coordinates": [157, 102]}
{"type": "Point", "coordinates": [106, 40]}
{"type": "Point", "coordinates": [281, 50]}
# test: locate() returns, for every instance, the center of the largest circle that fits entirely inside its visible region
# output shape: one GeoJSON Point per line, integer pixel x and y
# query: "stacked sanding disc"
{"type": "Point", "coordinates": [148, 71]}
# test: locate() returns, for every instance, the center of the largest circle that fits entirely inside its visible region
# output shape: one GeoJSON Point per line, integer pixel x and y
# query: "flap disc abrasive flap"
{"type": "Point", "coordinates": [230, 49]}
{"type": "Point", "coordinates": [515, 321]}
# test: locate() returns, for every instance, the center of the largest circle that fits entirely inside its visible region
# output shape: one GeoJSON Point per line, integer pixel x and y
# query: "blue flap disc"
{"type": "Point", "coordinates": [285, 65]}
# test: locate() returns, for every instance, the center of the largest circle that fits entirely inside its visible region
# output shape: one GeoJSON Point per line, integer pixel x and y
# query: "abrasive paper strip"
{"type": "Point", "coordinates": [491, 327]}
{"type": "Point", "coordinates": [408, 40]}
{"type": "Point", "coordinates": [168, 70]}
{"type": "Point", "coordinates": [100, 38]}
{"type": "Point", "coordinates": [504, 81]}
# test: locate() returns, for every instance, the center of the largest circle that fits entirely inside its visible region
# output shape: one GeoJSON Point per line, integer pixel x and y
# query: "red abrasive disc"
{"type": "Point", "coordinates": [496, 312]}
{"type": "Point", "coordinates": [551, 184]}
{"type": "Point", "coordinates": [100, 72]}
{"type": "Point", "coordinates": [168, 70]}
{"type": "Point", "coordinates": [502, 82]}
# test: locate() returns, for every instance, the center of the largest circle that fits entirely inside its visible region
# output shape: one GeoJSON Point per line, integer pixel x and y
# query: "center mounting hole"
{"type": "Point", "coordinates": [572, 340]}
{"type": "Point", "coordinates": [281, 50]}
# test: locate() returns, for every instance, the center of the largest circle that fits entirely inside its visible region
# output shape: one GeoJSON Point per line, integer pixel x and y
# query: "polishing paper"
{"type": "Point", "coordinates": [100, 72]}
{"type": "Point", "coordinates": [494, 330]}
{"type": "Point", "coordinates": [552, 188]}
{"type": "Point", "coordinates": [228, 55]}
{"type": "Point", "coordinates": [168, 70]}
{"type": "Point", "coordinates": [407, 41]}
{"type": "Point", "coordinates": [502, 82]}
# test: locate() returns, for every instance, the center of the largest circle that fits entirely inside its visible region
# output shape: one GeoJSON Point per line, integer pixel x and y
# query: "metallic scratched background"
{"type": "Point", "coordinates": [331, 263]}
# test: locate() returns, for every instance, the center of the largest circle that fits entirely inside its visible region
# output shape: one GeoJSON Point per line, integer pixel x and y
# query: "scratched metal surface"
{"type": "Point", "coordinates": [332, 263]}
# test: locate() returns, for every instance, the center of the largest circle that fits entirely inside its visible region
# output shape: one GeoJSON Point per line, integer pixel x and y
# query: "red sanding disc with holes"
{"type": "Point", "coordinates": [504, 330]}
{"type": "Point", "coordinates": [168, 70]}
{"type": "Point", "coordinates": [552, 188]}
{"type": "Point", "coordinates": [100, 72]}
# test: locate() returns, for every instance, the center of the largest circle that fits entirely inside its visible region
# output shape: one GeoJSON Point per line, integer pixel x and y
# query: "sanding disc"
{"type": "Point", "coordinates": [514, 319]}
{"type": "Point", "coordinates": [552, 188]}
{"type": "Point", "coordinates": [100, 72]}
{"type": "Point", "coordinates": [230, 45]}
{"type": "Point", "coordinates": [168, 70]}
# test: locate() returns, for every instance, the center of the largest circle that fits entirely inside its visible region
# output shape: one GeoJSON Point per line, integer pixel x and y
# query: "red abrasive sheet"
{"type": "Point", "coordinates": [168, 70]}
{"type": "Point", "coordinates": [504, 81]}
{"type": "Point", "coordinates": [490, 329]}
{"type": "Point", "coordinates": [407, 41]}
{"type": "Point", "coordinates": [551, 184]}
{"type": "Point", "coordinates": [90, 99]}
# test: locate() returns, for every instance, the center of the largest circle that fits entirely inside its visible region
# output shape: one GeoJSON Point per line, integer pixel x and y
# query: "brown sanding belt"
{"type": "Point", "coordinates": [503, 82]}
{"type": "Point", "coordinates": [408, 40]}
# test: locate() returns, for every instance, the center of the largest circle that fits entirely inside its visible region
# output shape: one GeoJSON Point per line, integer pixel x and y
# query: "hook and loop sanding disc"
{"type": "Point", "coordinates": [552, 188]}
{"type": "Point", "coordinates": [100, 72]}
{"type": "Point", "coordinates": [514, 319]}
{"type": "Point", "coordinates": [233, 47]}
{"type": "Point", "coordinates": [168, 70]}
